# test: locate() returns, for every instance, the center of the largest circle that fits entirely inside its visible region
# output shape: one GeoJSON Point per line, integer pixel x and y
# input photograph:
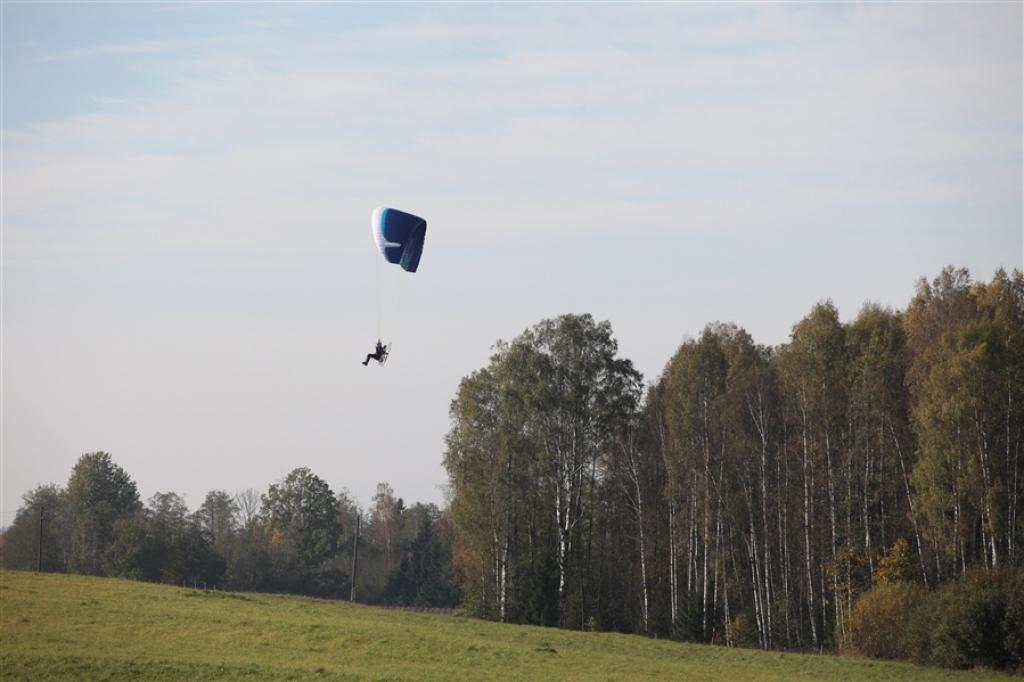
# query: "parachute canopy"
{"type": "Point", "coordinates": [399, 236]}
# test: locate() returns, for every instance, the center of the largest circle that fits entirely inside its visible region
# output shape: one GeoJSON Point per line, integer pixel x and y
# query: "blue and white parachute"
{"type": "Point", "coordinates": [399, 236]}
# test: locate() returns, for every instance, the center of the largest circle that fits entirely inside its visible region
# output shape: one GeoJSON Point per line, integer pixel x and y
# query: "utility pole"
{"type": "Point", "coordinates": [355, 558]}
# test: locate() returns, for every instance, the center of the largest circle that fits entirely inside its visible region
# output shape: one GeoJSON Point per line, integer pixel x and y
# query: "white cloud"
{"type": "Point", "coordinates": [148, 47]}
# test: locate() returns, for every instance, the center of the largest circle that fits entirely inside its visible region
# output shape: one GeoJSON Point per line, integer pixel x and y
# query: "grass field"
{"type": "Point", "coordinates": [57, 627]}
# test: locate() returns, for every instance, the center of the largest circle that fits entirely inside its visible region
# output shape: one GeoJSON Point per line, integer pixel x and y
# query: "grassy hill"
{"type": "Point", "coordinates": [57, 627]}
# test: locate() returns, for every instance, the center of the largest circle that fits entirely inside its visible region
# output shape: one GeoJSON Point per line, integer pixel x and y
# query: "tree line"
{"type": "Point", "coordinates": [298, 537]}
{"type": "Point", "coordinates": [751, 494]}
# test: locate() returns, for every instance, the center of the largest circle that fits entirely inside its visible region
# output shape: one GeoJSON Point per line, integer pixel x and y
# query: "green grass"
{"type": "Point", "coordinates": [58, 627]}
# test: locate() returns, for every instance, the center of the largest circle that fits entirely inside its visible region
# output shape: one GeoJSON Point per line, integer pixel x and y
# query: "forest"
{"type": "Point", "coordinates": [754, 495]}
{"type": "Point", "coordinates": [298, 537]}
{"type": "Point", "coordinates": [855, 489]}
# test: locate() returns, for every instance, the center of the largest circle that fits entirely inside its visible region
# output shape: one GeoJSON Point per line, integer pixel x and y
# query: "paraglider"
{"type": "Point", "coordinates": [399, 237]}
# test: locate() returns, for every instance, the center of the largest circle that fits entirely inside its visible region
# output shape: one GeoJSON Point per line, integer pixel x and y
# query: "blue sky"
{"type": "Point", "coordinates": [189, 280]}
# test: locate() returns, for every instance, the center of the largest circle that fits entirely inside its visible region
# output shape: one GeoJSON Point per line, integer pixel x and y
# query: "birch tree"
{"type": "Point", "coordinates": [695, 387]}
{"type": "Point", "coordinates": [813, 372]}
{"type": "Point", "coordinates": [966, 359]}
{"type": "Point", "coordinates": [524, 460]}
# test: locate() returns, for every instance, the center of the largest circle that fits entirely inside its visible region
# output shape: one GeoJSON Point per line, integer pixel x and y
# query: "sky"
{"type": "Point", "coordinates": [188, 277]}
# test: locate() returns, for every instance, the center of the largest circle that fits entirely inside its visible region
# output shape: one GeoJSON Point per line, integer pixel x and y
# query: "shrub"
{"type": "Point", "coordinates": [896, 565]}
{"type": "Point", "coordinates": [1013, 621]}
{"type": "Point", "coordinates": [740, 631]}
{"type": "Point", "coordinates": [880, 619]}
{"type": "Point", "coordinates": [971, 622]}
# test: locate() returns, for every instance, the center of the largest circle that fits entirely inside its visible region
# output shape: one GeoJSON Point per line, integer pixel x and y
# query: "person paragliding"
{"type": "Point", "coordinates": [380, 354]}
{"type": "Point", "coordinates": [399, 237]}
